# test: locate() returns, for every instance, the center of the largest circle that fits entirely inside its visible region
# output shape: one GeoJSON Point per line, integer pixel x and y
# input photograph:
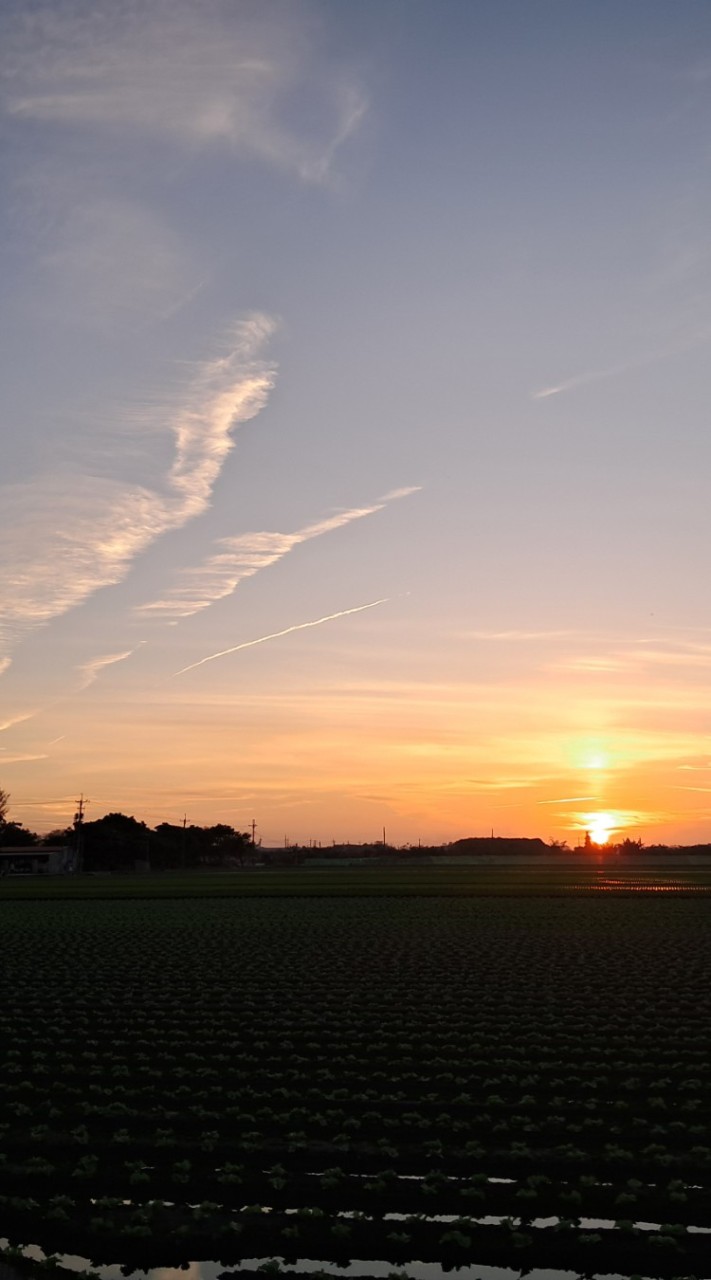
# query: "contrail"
{"type": "Point", "coordinates": [301, 626]}
{"type": "Point", "coordinates": [614, 370]}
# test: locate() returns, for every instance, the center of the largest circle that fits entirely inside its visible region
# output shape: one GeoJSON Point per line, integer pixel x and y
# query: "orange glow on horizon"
{"type": "Point", "coordinates": [601, 826]}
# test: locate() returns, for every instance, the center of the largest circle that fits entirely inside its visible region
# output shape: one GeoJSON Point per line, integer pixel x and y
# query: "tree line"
{"type": "Point", "coordinates": [118, 842]}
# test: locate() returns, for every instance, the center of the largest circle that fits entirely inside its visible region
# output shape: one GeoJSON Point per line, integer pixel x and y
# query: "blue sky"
{"type": "Point", "coordinates": [312, 306]}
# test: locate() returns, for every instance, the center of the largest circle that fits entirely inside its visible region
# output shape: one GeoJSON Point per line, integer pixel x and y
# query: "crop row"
{"type": "Point", "coordinates": [308, 1055]}
{"type": "Point", "coordinates": [509, 1140]}
{"type": "Point", "coordinates": [309, 1232]}
{"type": "Point", "coordinates": [108, 1169]}
{"type": "Point", "coordinates": [383, 1191]}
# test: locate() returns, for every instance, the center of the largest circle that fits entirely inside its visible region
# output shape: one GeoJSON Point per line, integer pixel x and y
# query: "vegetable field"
{"type": "Point", "coordinates": [436, 881]}
{"type": "Point", "coordinates": [461, 1080]}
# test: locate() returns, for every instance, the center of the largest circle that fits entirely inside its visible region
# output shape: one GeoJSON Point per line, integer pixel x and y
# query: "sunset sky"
{"type": "Point", "coordinates": [356, 458]}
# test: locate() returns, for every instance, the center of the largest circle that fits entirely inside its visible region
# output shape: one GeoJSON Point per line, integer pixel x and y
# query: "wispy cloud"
{"type": "Point", "coordinates": [485, 785]}
{"type": "Point", "coordinates": [91, 670]}
{"type": "Point", "coordinates": [582, 380]}
{"type": "Point", "coordinates": [620, 820]}
{"type": "Point", "coordinates": [13, 720]}
{"type": "Point", "coordinates": [66, 536]}
{"type": "Point", "coordinates": [226, 391]}
{"type": "Point", "coordinates": [111, 258]}
{"type": "Point", "coordinates": [686, 656]}
{"type": "Point", "coordinates": [592, 663]}
{"type": "Point", "coordinates": [197, 76]}
{"type": "Point", "coordinates": [567, 800]}
{"type": "Point", "coordinates": [140, 83]}
{"type": "Point", "coordinates": [184, 299]}
{"type": "Point", "coordinates": [242, 557]}
{"type": "Point", "coordinates": [21, 756]}
{"type": "Point", "coordinates": [517, 635]}
{"type": "Point", "coordinates": [275, 635]}
{"type": "Point", "coordinates": [4, 664]}
{"type": "Point", "coordinates": [624, 366]}
{"type": "Point", "coordinates": [645, 653]}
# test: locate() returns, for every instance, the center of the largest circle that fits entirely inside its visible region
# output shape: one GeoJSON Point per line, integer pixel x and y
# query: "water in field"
{"type": "Point", "coordinates": [358, 1268]}
{"type": "Point", "coordinates": [647, 884]}
{"type": "Point", "coordinates": [211, 1270]}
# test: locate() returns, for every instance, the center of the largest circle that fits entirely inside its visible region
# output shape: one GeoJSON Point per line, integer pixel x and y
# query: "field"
{"type": "Point", "coordinates": [373, 1074]}
{"type": "Point", "coordinates": [538, 879]}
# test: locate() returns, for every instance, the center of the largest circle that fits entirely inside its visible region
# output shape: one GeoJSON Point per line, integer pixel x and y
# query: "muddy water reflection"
{"type": "Point", "coordinates": [358, 1268]}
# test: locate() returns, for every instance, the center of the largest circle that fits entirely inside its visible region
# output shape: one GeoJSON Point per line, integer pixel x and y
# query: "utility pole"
{"type": "Point", "coordinates": [183, 840]}
{"type": "Point", "coordinates": [79, 833]}
{"type": "Point", "coordinates": [254, 828]}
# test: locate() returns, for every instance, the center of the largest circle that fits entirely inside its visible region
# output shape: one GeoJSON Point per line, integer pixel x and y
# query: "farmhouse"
{"type": "Point", "coordinates": [36, 861]}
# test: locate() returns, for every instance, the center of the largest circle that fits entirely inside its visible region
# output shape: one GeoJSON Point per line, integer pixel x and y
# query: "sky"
{"type": "Point", "coordinates": [355, 449]}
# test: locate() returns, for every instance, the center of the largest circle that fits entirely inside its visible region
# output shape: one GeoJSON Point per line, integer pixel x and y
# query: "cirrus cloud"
{"type": "Point", "coordinates": [65, 536]}
{"type": "Point", "coordinates": [183, 74]}
{"type": "Point", "coordinates": [243, 556]}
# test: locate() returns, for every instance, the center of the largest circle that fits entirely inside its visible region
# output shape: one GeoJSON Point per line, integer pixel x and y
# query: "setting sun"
{"type": "Point", "coordinates": [245, 579]}
{"type": "Point", "coordinates": [600, 826]}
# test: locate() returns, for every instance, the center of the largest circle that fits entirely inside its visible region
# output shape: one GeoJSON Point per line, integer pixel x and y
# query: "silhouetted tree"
{"type": "Point", "coordinates": [4, 804]}
{"type": "Point", "coordinates": [16, 836]}
{"type": "Point", "coordinates": [629, 846]}
{"type": "Point", "coordinates": [60, 837]}
{"type": "Point", "coordinates": [168, 844]}
{"type": "Point", "coordinates": [214, 846]}
{"type": "Point", "coordinates": [226, 844]}
{"type": "Point", "coordinates": [559, 846]}
{"type": "Point", "coordinates": [175, 845]}
{"type": "Point", "coordinates": [115, 843]}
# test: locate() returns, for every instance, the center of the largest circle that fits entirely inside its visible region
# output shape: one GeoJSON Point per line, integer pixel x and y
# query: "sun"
{"type": "Point", "coordinates": [600, 826]}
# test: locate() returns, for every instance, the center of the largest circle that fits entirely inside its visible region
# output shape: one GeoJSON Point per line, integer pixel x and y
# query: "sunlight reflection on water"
{"type": "Point", "coordinates": [610, 885]}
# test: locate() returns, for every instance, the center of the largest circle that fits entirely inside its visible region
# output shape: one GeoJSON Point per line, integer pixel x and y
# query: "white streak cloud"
{"type": "Point", "coordinates": [276, 635]}
{"type": "Point", "coordinates": [242, 557]}
{"type": "Point", "coordinates": [21, 757]}
{"type": "Point", "coordinates": [567, 800]}
{"type": "Point", "coordinates": [13, 720]}
{"type": "Point", "coordinates": [227, 391]}
{"type": "Point", "coordinates": [66, 536]}
{"type": "Point", "coordinates": [625, 366]}
{"type": "Point", "coordinates": [91, 670]}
